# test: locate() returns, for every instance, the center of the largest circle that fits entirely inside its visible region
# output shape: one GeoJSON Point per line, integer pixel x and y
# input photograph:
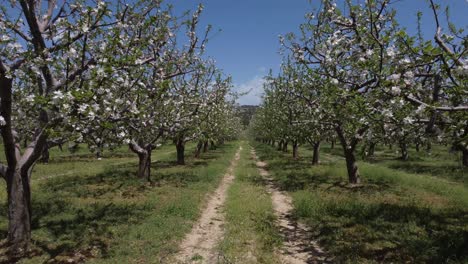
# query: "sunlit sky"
{"type": "Point", "coordinates": [247, 45]}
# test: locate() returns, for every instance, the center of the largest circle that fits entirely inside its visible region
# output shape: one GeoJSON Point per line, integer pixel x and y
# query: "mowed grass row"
{"type": "Point", "coordinates": [100, 212]}
{"type": "Point", "coordinates": [440, 161]}
{"type": "Point", "coordinates": [251, 235]}
{"type": "Point", "coordinates": [394, 216]}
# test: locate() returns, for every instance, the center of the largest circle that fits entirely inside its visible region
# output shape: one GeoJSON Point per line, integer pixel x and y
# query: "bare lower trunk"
{"type": "Point", "coordinates": [351, 166]}
{"type": "Point", "coordinates": [19, 209]}
{"type": "Point", "coordinates": [348, 149]}
{"type": "Point", "coordinates": [205, 147]}
{"type": "Point", "coordinates": [371, 151]}
{"type": "Point", "coordinates": [333, 144]}
{"type": "Point", "coordinates": [212, 145]}
{"type": "Point", "coordinates": [404, 151]}
{"type": "Point", "coordinates": [144, 159]}
{"type": "Point", "coordinates": [465, 157]}
{"type": "Point", "coordinates": [417, 146]}
{"type": "Point", "coordinates": [198, 149]}
{"type": "Point", "coordinates": [17, 173]}
{"type": "Point", "coordinates": [280, 145]}
{"type": "Point", "coordinates": [295, 150]}
{"type": "Point", "coordinates": [144, 165]}
{"type": "Point", "coordinates": [180, 146]}
{"type": "Point", "coordinates": [315, 156]}
{"type": "Point", "coordinates": [285, 146]}
{"type": "Point", "coordinates": [45, 156]}
{"type": "Point", "coordinates": [429, 147]}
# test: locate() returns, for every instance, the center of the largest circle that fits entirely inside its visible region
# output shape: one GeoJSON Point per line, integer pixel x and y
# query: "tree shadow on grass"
{"type": "Point", "coordinates": [451, 171]}
{"type": "Point", "coordinates": [74, 228]}
{"type": "Point", "coordinates": [394, 233]}
{"type": "Point", "coordinates": [74, 215]}
{"type": "Point", "coordinates": [88, 157]}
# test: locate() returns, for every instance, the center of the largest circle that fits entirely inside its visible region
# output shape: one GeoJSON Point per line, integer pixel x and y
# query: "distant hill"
{"type": "Point", "coordinates": [246, 112]}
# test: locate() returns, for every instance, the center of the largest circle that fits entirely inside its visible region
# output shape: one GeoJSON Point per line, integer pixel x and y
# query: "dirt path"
{"type": "Point", "coordinates": [199, 246]}
{"type": "Point", "coordinates": [298, 247]}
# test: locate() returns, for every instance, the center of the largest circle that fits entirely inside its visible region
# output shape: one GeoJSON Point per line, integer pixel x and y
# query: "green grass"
{"type": "Point", "coordinates": [251, 235]}
{"type": "Point", "coordinates": [100, 212]}
{"type": "Point", "coordinates": [440, 162]}
{"type": "Point", "coordinates": [394, 216]}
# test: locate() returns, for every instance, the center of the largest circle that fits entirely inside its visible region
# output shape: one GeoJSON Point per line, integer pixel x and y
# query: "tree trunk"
{"type": "Point", "coordinates": [332, 144]}
{"type": "Point", "coordinates": [404, 151]}
{"type": "Point", "coordinates": [144, 165]}
{"type": "Point", "coordinates": [17, 174]}
{"type": "Point", "coordinates": [45, 155]}
{"type": "Point", "coordinates": [429, 147]}
{"type": "Point", "coordinates": [465, 156]}
{"type": "Point", "coordinates": [180, 146]}
{"type": "Point", "coordinates": [280, 145]}
{"type": "Point", "coordinates": [348, 149]}
{"type": "Point", "coordinates": [285, 146]}
{"type": "Point", "coordinates": [417, 146]}
{"type": "Point", "coordinates": [212, 145]}
{"type": "Point", "coordinates": [198, 149]}
{"type": "Point", "coordinates": [19, 209]}
{"type": "Point", "coordinates": [371, 149]}
{"type": "Point", "coordinates": [205, 146]}
{"type": "Point", "coordinates": [295, 149]}
{"type": "Point", "coordinates": [315, 157]}
{"type": "Point", "coordinates": [144, 159]}
{"type": "Point", "coordinates": [351, 166]}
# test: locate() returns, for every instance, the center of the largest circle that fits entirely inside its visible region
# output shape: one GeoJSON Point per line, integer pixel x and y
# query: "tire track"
{"type": "Point", "coordinates": [299, 247]}
{"type": "Point", "coordinates": [199, 246]}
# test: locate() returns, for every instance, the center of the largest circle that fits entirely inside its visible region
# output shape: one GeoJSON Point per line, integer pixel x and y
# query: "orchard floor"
{"type": "Point", "coordinates": [412, 211]}
{"type": "Point", "coordinates": [96, 211]}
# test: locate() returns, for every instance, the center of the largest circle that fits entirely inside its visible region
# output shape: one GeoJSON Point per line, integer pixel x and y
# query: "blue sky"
{"type": "Point", "coordinates": [247, 46]}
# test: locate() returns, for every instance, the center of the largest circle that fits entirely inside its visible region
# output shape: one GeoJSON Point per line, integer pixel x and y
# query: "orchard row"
{"type": "Point", "coordinates": [103, 73]}
{"type": "Point", "coordinates": [355, 76]}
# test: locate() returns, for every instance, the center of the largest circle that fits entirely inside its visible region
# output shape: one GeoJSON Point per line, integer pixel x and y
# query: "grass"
{"type": "Point", "coordinates": [251, 235]}
{"type": "Point", "coordinates": [394, 216]}
{"type": "Point", "coordinates": [440, 162]}
{"type": "Point", "coordinates": [84, 209]}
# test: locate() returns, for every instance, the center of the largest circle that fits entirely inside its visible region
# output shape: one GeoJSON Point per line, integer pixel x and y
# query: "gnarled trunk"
{"type": "Point", "coordinates": [285, 146]}
{"type": "Point", "coordinates": [348, 149]}
{"type": "Point", "coordinates": [315, 156]}
{"type": "Point", "coordinates": [295, 149]}
{"type": "Point", "coordinates": [144, 165]}
{"type": "Point", "coordinates": [351, 166]}
{"type": "Point", "coordinates": [198, 149]}
{"type": "Point", "coordinates": [205, 146]}
{"type": "Point", "coordinates": [19, 208]}
{"type": "Point", "coordinates": [404, 151]}
{"type": "Point", "coordinates": [17, 172]}
{"type": "Point", "coordinates": [371, 150]}
{"type": "Point", "coordinates": [464, 151]}
{"type": "Point", "coordinates": [429, 147]}
{"type": "Point", "coordinates": [212, 145]}
{"type": "Point", "coordinates": [180, 147]}
{"type": "Point", "coordinates": [280, 145]}
{"type": "Point", "coordinates": [45, 155]}
{"type": "Point", "coordinates": [144, 159]}
{"type": "Point", "coordinates": [465, 156]}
